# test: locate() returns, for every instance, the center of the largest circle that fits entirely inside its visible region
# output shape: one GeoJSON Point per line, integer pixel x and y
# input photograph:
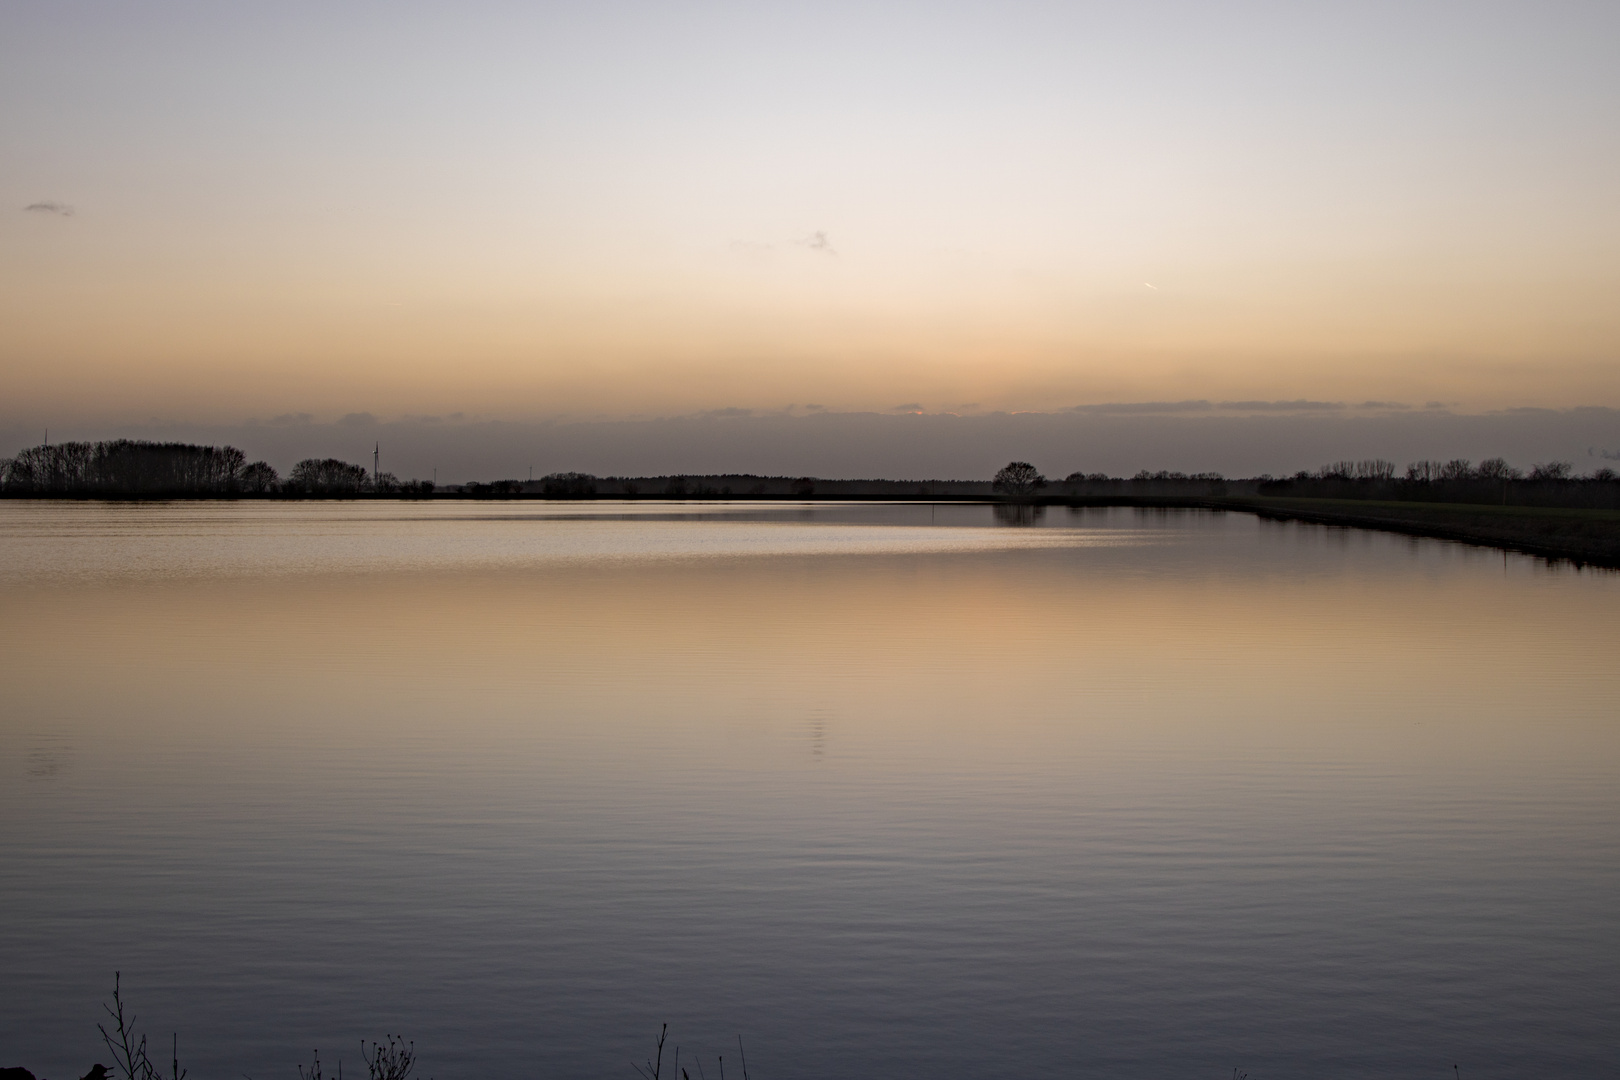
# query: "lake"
{"type": "Point", "coordinates": [888, 790]}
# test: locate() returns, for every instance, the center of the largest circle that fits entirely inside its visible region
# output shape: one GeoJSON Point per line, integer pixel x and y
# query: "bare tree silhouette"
{"type": "Point", "coordinates": [1018, 478]}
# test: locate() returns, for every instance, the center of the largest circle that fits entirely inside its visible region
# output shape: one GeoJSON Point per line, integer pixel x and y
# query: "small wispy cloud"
{"type": "Point", "coordinates": [357, 419]}
{"type": "Point", "coordinates": [291, 418]}
{"type": "Point", "coordinates": [48, 207]}
{"type": "Point", "coordinates": [1383, 405]}
{"type": "Point", "coordinates": [761, 250]}
{"type": "Point", "coordinates": [817, 241]}
{"type": "Point", "coordinates": [908, 407]}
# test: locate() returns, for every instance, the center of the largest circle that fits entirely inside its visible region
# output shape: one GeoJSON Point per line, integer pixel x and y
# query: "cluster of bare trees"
{"type": "Point", "coordinates": [327, 476]}
{"type": "Point", "coordinates": [132, 467]}
{"type": "Point", "coordinates": [1149, 483]}
{"type": "Point", "coordinates": [1550, 483]}
{"type": "Point", "coordinates": [127, 467]}
{"type": "Point", "coordinates": [334, 476]}
{"type": "Point", "coordinates": [493, 487]}
{"type": "Point", "coordinates": [1365, 469]}
{"type": "Point", "coordinates": [1165, 474]}
{"type": "Point", "coordinates": [568, 485]}
{"type": "Point", "coordinates": [1492, 469]}
{"type": "Point", "coordinates": [1436, 472]}
{"type": "Point", "coordinates": [1457, 470]}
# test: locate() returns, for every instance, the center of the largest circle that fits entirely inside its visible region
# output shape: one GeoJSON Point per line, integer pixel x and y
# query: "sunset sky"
{"type": "Point", "coordinates": [218, 213]}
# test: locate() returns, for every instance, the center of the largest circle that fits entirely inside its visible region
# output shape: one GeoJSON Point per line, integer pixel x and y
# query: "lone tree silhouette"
{"type": "Point", "coordinates": [1018, 478]}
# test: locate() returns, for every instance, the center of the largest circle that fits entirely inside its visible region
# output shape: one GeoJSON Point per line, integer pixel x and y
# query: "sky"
{"type": "Point", "coordinates": [236, 216]}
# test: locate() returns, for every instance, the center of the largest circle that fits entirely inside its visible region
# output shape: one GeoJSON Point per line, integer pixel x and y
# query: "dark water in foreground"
{"type": "Point", "coordinates": [891, 791]}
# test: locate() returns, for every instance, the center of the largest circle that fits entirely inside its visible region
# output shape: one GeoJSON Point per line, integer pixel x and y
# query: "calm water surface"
{"type": "Point", "coordinates": [892, 791]}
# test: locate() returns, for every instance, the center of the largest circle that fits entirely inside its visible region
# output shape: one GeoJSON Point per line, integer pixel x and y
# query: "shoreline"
{"type": "Point", "coordinates": [1557, 534]}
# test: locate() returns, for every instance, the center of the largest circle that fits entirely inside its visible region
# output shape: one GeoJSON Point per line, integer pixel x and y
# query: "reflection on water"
{"type": "Point", "coordinates": [893, 791]}
{"type": "Point", "coordinates": [121, 542]}
{"type": "Point", "coordinates": [1019, 513]}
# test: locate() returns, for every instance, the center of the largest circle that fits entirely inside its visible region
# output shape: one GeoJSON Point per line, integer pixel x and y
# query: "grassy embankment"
{"type": "Point", "coordinates": [1579, 535]}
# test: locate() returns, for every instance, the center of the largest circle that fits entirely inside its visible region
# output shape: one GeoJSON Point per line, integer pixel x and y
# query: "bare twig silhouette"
{"type": "Point", "coordinates": [653, 1068]}
{"type": "Point", "coordinates": [127, 1046]}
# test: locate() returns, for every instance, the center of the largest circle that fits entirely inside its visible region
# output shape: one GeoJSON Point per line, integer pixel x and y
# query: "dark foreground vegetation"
{"type": "Point", "coordinates": [655, 1063]}
{"type": "Point", "coordinates": [1546, 510]}
{"type": "Point", "coordinates": [127, 1048]}
{"type": "Point", "coordinates": [392, 1059]}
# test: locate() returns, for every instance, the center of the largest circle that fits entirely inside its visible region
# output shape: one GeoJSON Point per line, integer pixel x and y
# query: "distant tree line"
{"type": "Point", "coordinates": [133, 468]}
{"type": "Point", "coordinates": [579, 485]}
{"type": "Point", "coordinates": [129, 467]}
{"type": "Point", "coordinates": [1160, 483]}
{"type": "Point", "coordinates": [1459, 480]}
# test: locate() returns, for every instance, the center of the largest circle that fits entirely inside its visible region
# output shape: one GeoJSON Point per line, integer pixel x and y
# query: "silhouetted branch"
{"type": "Point", "coordinates": [391, 1061]}
{"type": "Point", "coordinates": [128, 1047]}
{"type": "Point", "coordinates": [653, 1069]}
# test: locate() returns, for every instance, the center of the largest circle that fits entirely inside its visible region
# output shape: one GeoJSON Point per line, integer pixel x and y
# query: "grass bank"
{"type": "Point", "coordinates": [1582, 536]}
{"type": "Point", "coordinates": [1587, 537]}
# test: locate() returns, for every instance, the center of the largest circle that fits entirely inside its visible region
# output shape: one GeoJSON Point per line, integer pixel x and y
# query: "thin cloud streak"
{"type": "Point", "coordinates": [1203, 405]}
{"type": "Point", "coordinates": [1300, 405]}
{"type": "Point", "coordinates": [1144, 407]}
